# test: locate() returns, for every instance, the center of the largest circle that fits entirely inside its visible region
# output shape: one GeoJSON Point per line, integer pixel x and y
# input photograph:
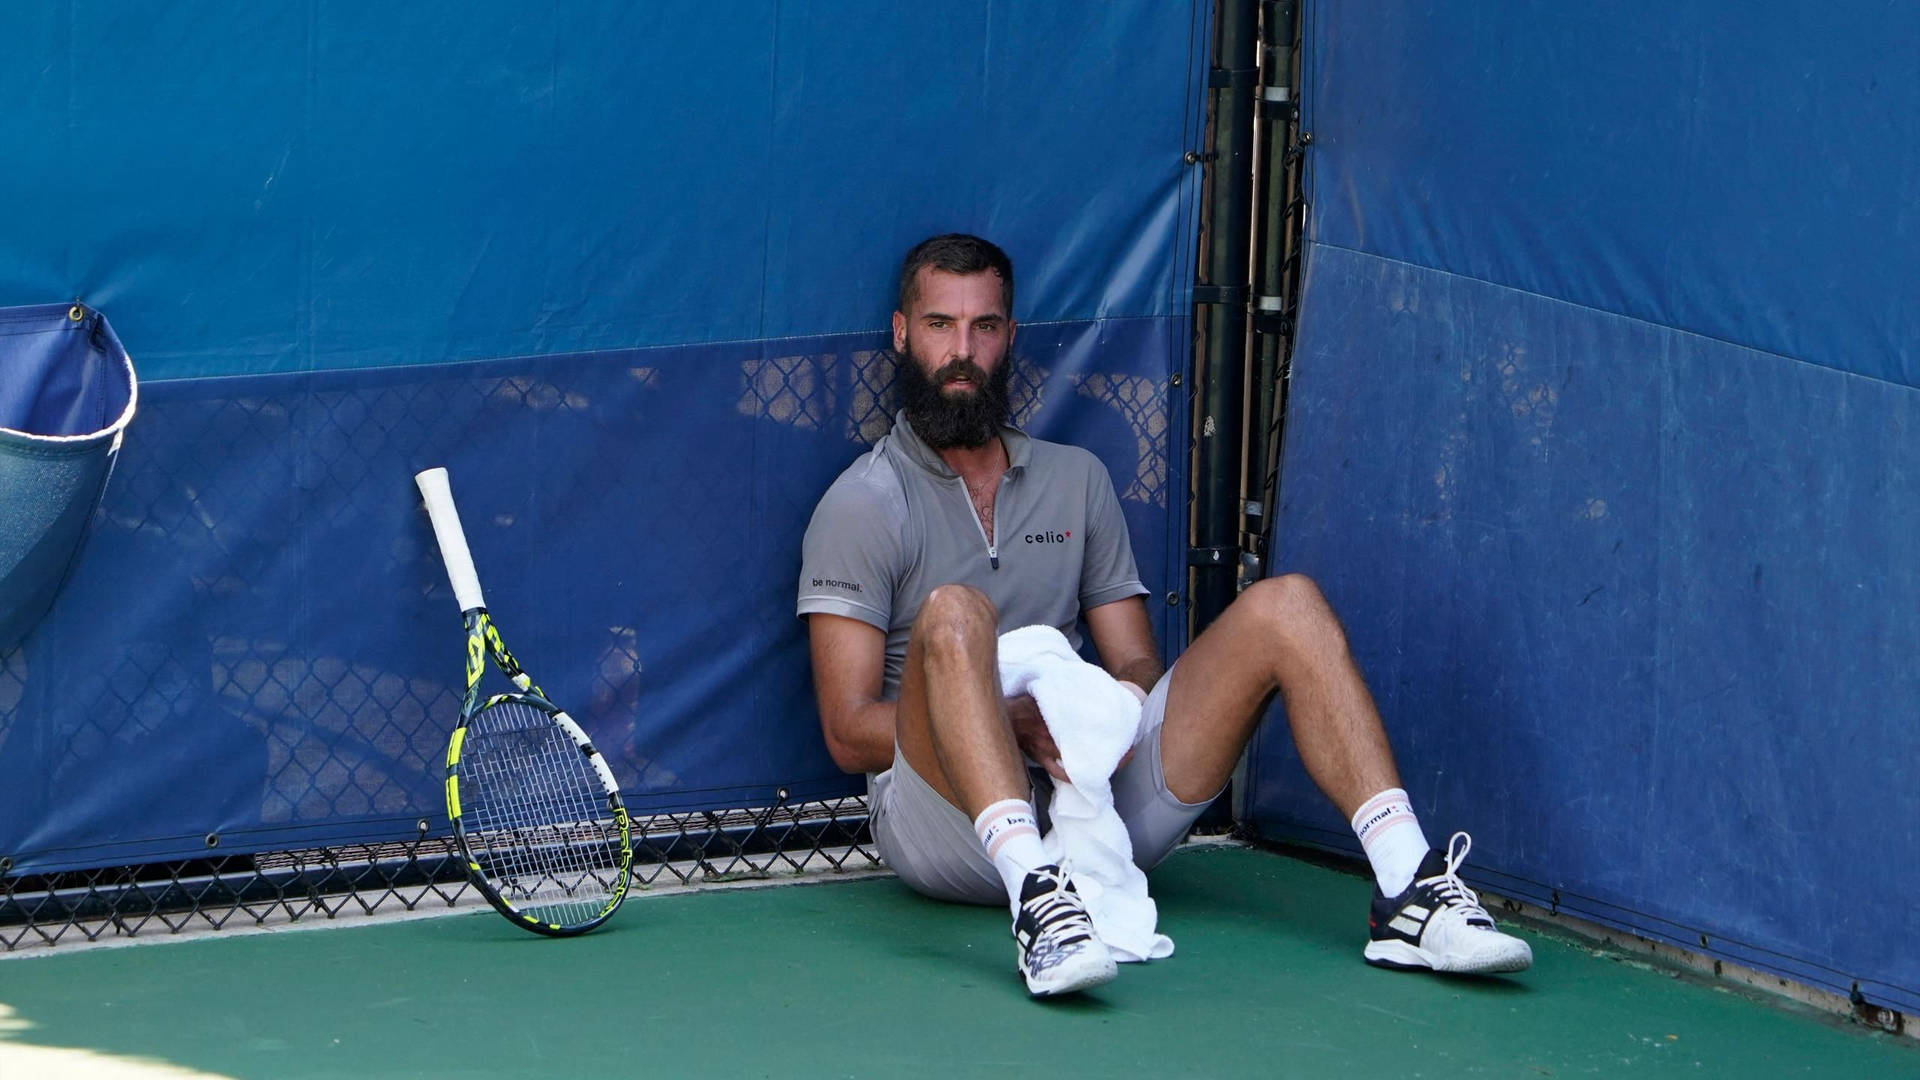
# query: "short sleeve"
{"type": "Point", "coordinates": [850, 560]}
{"type": "Point", "coordinates": [1108, 572]}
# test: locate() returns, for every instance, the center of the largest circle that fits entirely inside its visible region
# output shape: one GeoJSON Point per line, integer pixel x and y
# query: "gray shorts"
{"type": "Point", "coordinates": [931, 844]}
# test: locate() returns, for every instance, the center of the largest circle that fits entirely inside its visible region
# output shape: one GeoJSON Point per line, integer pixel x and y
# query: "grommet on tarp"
{"type": "Point", "coordinates": [67, 393]}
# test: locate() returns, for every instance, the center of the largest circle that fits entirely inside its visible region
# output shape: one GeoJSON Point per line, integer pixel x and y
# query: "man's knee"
{"type": "Point", "coordinates": [955, 618]}
{"type": "Point", "coordinates": [1291, 604]}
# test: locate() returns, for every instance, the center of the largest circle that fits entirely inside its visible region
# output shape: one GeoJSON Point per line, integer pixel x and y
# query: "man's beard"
{"type": "Point", "coordinates": [947, 422]}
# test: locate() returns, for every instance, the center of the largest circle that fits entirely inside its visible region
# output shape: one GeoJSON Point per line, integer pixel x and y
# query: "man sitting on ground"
{"type": "Point", "coordinates": [914, 565]}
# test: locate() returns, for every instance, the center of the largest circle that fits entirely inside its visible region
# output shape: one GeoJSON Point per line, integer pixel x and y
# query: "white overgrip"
{"type": "Point", "coordinates": [453, 540]}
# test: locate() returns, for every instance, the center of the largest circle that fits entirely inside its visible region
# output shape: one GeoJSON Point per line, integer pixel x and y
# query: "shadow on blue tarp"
{"type": "Point", "coordinates": [67, 391]}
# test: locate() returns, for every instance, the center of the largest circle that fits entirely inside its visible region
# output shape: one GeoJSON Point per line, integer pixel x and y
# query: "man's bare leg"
{"type": "Point", "coordinates": [951, 725]}
{"type": "Point", "coordinates": [1280, 635]}
{"type": "Point", "coordinates": [952, 722]}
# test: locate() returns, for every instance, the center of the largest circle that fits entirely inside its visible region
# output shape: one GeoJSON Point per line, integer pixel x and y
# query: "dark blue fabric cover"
{"type": "Point", "coordinates": [1604, 440]}
{"type": "Point", "coordinates": [678, 222]}
{"type": "Point", "coordinates": [1750, 174]}
{"type": "Point", "coordinates": [262, 643]}
{"type": "Point", "coordinates": [275, 187]}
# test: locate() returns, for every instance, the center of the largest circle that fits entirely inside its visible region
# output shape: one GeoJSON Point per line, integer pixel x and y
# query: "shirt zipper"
{"type": "Point", "coordinates": [992, 542]}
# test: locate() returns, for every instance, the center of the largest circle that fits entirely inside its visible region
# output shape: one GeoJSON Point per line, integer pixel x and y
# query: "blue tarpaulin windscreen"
{"type": "Point", "coordinates": [1604, 439]}
{"type": "Point", "coordinates": [624, 269]}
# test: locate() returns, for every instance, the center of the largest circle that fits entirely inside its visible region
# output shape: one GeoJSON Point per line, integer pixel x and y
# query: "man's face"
{"type": "Point", "coordinates": [955, 345]}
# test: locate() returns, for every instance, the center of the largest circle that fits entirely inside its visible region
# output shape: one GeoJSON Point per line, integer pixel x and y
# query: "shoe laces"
{"type": "Point", "coordinates": [1447, 887]}
{"type": "Point", "coordinates": [1057, 910]}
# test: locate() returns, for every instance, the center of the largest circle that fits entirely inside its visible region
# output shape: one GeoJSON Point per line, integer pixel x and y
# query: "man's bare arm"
{"type": "Point", "coordinates": [1124, 640]}
{"type": "Point", "coordinates": [849, 669]}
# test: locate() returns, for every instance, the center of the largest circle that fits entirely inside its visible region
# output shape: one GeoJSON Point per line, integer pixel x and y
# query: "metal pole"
{"type": "Point", "coordinates": [1276, 256]}
{"type": "Point", "coordinates": [1222, 296]}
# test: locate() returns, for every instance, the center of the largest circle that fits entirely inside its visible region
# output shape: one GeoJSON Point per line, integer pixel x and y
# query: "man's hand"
{"type": "Point", "coordinates": [1030, 731]}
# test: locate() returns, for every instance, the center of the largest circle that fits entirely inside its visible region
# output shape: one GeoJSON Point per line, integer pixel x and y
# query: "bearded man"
{"type": "Point", "coordinates": [918, 558]}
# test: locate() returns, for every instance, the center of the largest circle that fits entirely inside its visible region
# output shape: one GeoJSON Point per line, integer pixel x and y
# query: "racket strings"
{"type": "Point", "coordinates": [536, 815]}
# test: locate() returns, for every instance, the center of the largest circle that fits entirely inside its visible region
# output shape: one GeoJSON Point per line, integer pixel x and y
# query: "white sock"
{"type": "Point", "coordinates": [1010, 834]}
{"type": "Point", "coordinates": [1391, 837]}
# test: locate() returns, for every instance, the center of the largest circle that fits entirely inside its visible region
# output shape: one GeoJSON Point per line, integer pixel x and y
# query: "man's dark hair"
{"type": "Point", "coordinates": [956, 253]}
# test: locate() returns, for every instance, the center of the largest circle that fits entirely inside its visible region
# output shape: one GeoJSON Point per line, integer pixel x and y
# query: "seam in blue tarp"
{"type": "Point", "coordinates": [1681, 330]}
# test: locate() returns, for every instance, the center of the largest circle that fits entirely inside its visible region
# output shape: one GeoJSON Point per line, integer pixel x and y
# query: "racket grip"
{"type": "Point", "coordinates": [453, 539]}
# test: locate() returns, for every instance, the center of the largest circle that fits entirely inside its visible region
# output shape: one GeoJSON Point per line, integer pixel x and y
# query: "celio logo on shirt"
{"type": "Point", "coordinates": [1049, 537]}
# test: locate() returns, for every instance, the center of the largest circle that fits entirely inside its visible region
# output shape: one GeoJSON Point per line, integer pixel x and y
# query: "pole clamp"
{"type": "Point", "coordinates": [1221, 294]}
{"type": "Point", "coordinates": [1213, 556]}
{"type": "Point", "coordinates": [1250, 571]}
{"type": "Point", "coordinates": [1270, 322]}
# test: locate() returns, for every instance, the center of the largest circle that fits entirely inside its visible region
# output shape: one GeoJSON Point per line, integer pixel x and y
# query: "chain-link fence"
{"type": "Point", "coordinates": [345, 880]}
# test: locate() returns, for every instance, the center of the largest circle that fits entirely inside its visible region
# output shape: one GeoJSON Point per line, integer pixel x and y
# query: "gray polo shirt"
{"type": "Point", "coordinates": [898, 523]}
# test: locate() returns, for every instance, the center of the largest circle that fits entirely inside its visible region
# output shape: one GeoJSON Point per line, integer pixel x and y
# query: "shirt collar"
{"type": "Point", "coordinates": [1019, 447]}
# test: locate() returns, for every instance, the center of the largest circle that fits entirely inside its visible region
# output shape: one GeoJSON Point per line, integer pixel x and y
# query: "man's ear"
{"type": "Point", "coordinates": [899, 332]}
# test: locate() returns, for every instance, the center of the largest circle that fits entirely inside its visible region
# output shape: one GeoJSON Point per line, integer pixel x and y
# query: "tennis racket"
{"type": "Point", "coordinates": [534, 807]}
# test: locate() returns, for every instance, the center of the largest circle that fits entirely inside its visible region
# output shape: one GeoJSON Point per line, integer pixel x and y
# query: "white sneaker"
{"type": "Point", "coordinates": [1438, 924]}
{"type": "Point", "coordinates": [1059, 952]}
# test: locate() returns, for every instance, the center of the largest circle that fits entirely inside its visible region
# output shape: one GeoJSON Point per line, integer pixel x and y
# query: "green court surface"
{"type": "Point", "coordinates": [863, 979]}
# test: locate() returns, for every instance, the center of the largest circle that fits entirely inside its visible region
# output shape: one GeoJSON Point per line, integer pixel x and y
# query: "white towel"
{"type": "Point", "coordinates": [1094, 720]}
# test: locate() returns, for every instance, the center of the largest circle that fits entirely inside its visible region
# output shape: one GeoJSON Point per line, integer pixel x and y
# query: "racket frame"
{"type": "Point", "coordinates": [483, 644]}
